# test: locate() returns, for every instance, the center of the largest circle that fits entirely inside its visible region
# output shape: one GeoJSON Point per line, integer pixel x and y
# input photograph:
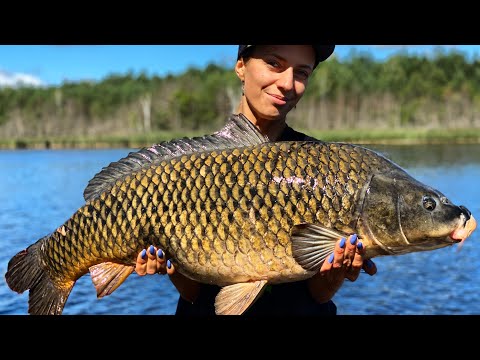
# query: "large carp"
{"type": "Point", "coordinates": [236, 210]}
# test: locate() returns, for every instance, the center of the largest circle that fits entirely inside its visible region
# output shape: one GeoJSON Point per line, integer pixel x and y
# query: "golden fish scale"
{"type": "Point", "coordinates": [223, 216]}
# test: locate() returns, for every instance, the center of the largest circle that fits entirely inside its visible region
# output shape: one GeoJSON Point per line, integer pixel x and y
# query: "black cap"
{"type": "Point", "coordinates": [322, 52]}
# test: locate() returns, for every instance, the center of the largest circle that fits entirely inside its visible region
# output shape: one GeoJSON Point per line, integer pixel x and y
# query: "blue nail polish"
{"type": "Point", "coordinates": [169, 264]}
{"type": "Point", "coordinates": [160, 253]}
{"type": "Point", "coordinates": [359, 245]}
{"type": "Point", "coordinates": [144, 254]}
{"type": "Point", "coordinates": [369, 263]}
{"type": "Point", "coordinates": [342, 243]}
{"type": "Point", "coordinates": [353, 238]}
{"type": "Point", "coordinates": [330, 259]}
{"type": "Point", "coordinates": [152, 250]}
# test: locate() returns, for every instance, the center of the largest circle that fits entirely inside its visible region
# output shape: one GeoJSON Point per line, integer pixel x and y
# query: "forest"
{"type": "Point", "coordinates": [404, 92]}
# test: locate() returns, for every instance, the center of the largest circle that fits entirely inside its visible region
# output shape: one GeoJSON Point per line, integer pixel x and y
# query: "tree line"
{"type": "Point", "coordinates": [404, 91]}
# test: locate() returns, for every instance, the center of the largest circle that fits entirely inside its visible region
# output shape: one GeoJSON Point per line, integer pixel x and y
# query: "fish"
{"type": "Point", "coordinates": [237, 210]}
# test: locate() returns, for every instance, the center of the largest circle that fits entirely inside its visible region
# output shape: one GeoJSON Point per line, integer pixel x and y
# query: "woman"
{"type": "Point", "coordinates": [274, 79]}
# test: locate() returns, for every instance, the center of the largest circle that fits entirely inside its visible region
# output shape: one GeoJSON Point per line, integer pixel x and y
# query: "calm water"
{"type": "Point", "coordinates": [40, 190]}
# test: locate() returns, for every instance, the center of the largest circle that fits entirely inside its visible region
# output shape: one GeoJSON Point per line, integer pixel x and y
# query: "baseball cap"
{"type": "Point", "coordinates": [322, 52]}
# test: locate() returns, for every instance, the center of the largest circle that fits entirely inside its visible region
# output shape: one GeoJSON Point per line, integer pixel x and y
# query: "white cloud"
{"type": "Point", "coordinates": [18, 80]}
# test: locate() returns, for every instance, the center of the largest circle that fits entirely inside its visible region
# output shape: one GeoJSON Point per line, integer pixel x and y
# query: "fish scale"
{"type": "Point", "coordinates": [188, 208]}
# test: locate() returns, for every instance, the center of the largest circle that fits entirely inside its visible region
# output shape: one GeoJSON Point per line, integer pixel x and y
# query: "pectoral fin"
{"type": "Point", "coordinates": [108, 276]}
{"type": "Point", "coordinates": [311, 244]}
{"type": "Point", "coordinates": [237, 298]}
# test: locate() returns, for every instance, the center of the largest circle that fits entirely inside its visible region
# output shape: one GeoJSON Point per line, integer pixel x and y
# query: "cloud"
{"type": "Point", "coordinates": [18, 80]}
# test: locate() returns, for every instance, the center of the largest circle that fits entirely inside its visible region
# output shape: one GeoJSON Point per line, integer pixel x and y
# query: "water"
{"type": "Point", "coordinates": [40, 189]}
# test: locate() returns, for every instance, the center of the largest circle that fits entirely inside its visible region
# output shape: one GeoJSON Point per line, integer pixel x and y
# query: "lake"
{"type": "Point", "coordinates": [41, 189]}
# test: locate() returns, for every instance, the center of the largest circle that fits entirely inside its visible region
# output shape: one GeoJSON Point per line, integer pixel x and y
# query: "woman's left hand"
{"type": "Point", "coordinates": [345, 262]}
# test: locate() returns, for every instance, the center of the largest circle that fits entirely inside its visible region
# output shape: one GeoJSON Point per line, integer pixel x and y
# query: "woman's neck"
{"type": "Point", "coordinates": [273, 129]}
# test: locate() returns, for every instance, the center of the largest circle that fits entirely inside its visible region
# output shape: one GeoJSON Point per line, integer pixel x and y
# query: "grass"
{"type": "Point", "coordinates": [400, 136]}
{"type": "Point", "coordinates": [97, 142]}
{"type": "Point", "coordinates": [360, 136]}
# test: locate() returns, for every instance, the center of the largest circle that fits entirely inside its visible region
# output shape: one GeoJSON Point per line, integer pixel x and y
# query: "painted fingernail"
{"type": "Point", "coordinates": [342, 243]}
{"type": "Point", "coordinates": [160, 253]}
{"type": "Point", "coordinates": [144, 254]}
{"type": "Point", "coordinates": [330, 259]}
{"type": "Point", "coordinates": [359, 245]}
{"type": "Point", "coordinates": [152, 250]}
{"type": "Point", "coordinates": [369, 263]}
{"type": "Point", "coordinates": [169, 264]}
{"type": "Point", "coordinates": [353, 238]}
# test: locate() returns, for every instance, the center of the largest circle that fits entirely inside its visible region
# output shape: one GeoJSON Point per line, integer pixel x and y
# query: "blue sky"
{"type": "Point", "coordinates": [54, 64]}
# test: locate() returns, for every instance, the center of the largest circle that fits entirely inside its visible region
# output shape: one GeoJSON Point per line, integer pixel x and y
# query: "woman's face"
{"type": "Point", "coordinates": [275, 78]}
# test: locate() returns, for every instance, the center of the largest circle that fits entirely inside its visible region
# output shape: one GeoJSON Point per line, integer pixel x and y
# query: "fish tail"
{"type": "Point", "coordinates": [25, 272]}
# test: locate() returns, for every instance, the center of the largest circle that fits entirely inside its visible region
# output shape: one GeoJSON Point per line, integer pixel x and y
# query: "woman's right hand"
{"type": "Point", "coordinates": [153, 261]}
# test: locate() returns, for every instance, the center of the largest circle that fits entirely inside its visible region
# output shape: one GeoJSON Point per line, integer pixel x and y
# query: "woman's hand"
{"type": "Point", "coordinates": [345, 262]}
{"type": "Point", "coordinates": [153, 261]}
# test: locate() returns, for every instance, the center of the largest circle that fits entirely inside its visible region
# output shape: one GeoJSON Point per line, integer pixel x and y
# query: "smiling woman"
{"type": "Point", "coordinates": [273, 80]}
{"type": "Point", "coordinates": [214, 215]}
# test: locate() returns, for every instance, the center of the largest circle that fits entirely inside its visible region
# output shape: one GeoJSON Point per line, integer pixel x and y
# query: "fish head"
{"type": "Point", "coordinates": [402, 215]}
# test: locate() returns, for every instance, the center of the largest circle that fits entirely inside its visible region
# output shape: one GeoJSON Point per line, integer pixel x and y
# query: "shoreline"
{"type": "Point", "coordinates": [361, 137]}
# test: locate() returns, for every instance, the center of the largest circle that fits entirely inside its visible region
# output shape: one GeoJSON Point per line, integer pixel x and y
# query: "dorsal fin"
{"type": "Point", "coordinates": [237, 132]}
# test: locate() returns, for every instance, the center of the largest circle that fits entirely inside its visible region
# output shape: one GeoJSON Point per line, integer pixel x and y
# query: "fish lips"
{"type": "Point", "coordinates": [464, 231]}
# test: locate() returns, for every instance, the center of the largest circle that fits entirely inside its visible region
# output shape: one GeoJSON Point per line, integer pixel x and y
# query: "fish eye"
{"type": "Point", "coordinates": [429, 203]}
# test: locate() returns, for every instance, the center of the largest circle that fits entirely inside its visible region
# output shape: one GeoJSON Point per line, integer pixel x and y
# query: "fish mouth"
{"type": "Point", "coordinates": [464, 230]}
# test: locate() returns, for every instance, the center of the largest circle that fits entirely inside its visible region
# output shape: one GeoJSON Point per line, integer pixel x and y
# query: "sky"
{"type": "Point", "coordinates": [52, 65]}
